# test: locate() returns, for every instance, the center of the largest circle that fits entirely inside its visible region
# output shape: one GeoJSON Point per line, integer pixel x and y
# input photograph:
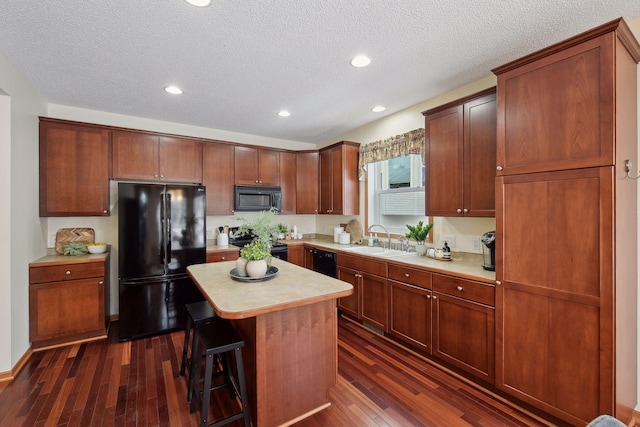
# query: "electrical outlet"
{"type": "Point", "coordinates": [451, 241]}
{"type": "Point", "coordinates": [52, 240]}
{"type": "Point", "coordinates": [476, 243]}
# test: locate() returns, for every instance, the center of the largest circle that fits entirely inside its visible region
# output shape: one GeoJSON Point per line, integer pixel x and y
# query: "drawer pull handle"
{"type": "Point", "coordinates": [406, 274]}
{"type": "Point", "coordinates": [68, 273]}
{"type": "Point", "coordinates": [459, 288]}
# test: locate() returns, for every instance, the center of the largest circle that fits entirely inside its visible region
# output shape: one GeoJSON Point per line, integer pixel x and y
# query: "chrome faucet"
{"type": "Point", "coordinates": [385, 229]}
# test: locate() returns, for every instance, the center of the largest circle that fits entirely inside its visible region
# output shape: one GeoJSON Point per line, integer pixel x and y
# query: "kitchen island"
{"type": "Point", "coordinates": [289, 324]}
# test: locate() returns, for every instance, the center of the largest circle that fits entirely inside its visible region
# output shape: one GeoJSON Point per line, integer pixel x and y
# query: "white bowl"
{"type": "Point", "coordinates": [97, 249]}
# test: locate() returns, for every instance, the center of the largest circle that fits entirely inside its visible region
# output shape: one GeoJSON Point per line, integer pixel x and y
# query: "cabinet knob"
{"type": "Point", "coordinates": [428, 296]}
{"type": "Point", "coordinates": [498, 282]}
{"type": "Point", "coordinates": [161, 176]}
{"type": "Point", "coordinates": [459, 210]}
{"type": "Point", "coordinates": [406, 274]}
{"type": "Point", "coordinates": [499, 168]}
{"type": "Point", "coordinates": [104, 211]}
{"type": "Point", "coordinates": [155, 176]}
{"type": "Point", "coordinates": [435, 297]}
{"type": "Point", "coordinates": [222, 258]}
{"type": "Point", "coordinates": [68, 273]}
{"type": "Point", "coordinates": [459, 288]}
{"type": "Point", "coordinates": [100, 282]}
{"type": "Point", "coordinates": [465, 210]}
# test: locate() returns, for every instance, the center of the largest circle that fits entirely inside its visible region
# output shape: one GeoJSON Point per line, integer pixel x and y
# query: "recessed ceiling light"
{"type": "Point", "coordinates": [199, 3]}
{"type": "Point", "coordinates": [175, 90]}
{"type": "Point", "coordinates": [284, 113]}
{"type": "Point", "coordinates": [378, 109]}
{"type": "Point", "coordinates": [360, 61]}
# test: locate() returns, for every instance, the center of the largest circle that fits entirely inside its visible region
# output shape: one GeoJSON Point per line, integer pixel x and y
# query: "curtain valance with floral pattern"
{"type": "Point", "coordinates": [397, 146]}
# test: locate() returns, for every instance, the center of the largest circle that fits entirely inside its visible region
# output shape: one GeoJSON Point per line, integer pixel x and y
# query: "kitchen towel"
{"type": "Point", "coordinates": [354, 228]}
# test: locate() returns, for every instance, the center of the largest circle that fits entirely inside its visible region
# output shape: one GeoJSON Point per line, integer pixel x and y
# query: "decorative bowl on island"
{"type": "Point", "coordinates": [96, 248]}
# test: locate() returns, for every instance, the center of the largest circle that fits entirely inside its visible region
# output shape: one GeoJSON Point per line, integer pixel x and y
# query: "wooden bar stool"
{"type": "Point", "coordinates": [197, 313]}
{"type": "Point", "coordinates": [218, 338]}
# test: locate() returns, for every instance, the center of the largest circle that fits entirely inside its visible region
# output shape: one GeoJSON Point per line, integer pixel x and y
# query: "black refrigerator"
{"type": "Point", "coordinates": [161, 231]}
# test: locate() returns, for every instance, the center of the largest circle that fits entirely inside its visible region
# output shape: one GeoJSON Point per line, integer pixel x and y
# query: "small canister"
{"type": "Point", "coordinates": [336, 234]}
{"type": "Point", "coordinates": [344, 238]}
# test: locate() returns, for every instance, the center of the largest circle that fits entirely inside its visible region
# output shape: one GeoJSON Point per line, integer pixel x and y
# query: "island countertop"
{"type": "Point", "coordinates": [291, 287]}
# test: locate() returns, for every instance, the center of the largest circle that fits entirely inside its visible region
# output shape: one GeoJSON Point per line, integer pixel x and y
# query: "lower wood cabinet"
{"type": "Point", "coordinates": [369, 301]}
{"type": "Point", "coordinates": [410, 314]}
{"type": "Point", "coordinates": [68, 299]}
{"type": "Point", "coordinates": [220, 256]}
{"type": "Point", "coordinates": [295, 254]}
{"type": "Point", "coordinates": [308, 257]}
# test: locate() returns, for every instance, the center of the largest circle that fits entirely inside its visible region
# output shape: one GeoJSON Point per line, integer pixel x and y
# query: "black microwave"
{"type": "Point", "coordinates": [257, 198]}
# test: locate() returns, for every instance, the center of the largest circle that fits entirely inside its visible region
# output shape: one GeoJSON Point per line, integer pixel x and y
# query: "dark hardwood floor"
{"type": "Point", "coordinates": [108, 383]}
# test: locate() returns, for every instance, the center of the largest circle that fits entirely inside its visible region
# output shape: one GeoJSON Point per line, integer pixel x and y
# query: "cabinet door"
{"type": "Point", "coordinates": [444, 160]}
{"type": "Point", "coordinates": [60, 309]}
{"type": "Point", "coordinates": [375, 300]}
{"type": "Point", "coordinates": [246, 165]}
{"type": "Point", "coordinates": [557, 112]}
{"type": "Point", "coordinates": [479, 190]}
{"type": "Point", "coordinates": [326, 181]}
{"type": "Point", "coordinates": [287, 166]}
{"type": "Point", "coordinates": [350, 304]}
{"type": "Point", "coordinates": [463, 335]}
{"type": "Point", "coordinates": [308, 257]}
{"type": "Point", "coordinates": [410, 314]}
{"type": "Point", "coordinates": [295, 255]}
{"type": "Point", "coordinates": [74, 170]}
{"type": "Point", "coordinates": [307, 184]}
{"type": "Point", "coordinates": [180, 160]}
{"type": "Point", "coordinates": [553, 237]}
{"type": "Point", "coordinates": [135, 156]}
{"type": "Point", "coordinates": [218, 177]}
{"type": "Point", "coordinates": [269, 167]}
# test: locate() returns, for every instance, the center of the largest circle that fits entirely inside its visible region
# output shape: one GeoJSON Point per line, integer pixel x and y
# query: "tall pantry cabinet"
{"type": "Point", "coordinates": [566, 300]}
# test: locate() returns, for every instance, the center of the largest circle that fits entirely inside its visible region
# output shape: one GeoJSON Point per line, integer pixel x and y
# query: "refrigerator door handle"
{"type": "Point", "coordinates": [162, 253]}
{"type": "Point", "coordinates": [168, 223]}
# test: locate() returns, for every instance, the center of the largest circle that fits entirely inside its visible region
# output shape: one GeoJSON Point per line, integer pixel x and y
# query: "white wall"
{"type": "Point", "coordinates": [21, 232]}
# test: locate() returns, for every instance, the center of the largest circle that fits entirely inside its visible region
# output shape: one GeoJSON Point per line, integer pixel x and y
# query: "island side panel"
{"type": "Point", "coordinates": [294, 361]}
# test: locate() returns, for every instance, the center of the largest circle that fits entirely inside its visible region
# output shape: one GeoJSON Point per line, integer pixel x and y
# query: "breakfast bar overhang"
{"type": "Point", "coordinates": [290, 327]}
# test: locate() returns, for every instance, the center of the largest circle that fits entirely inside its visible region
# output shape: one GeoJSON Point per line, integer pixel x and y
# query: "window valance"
{"type": "Point", "coordinates": [400, 145]}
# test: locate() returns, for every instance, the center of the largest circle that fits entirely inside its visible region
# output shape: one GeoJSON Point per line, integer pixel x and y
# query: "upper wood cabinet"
{"type": "Point", "coordinates": [460, 157]}
{"type": "Point", "coordinates": [287, 180]}
{"type": "Point", "coordinates": [339, 186]}
{"type": "Point", "coordinates": [566, 230]}
{"type": "Point", "coordinates": [256, 166]}
{"type": "Point", "coordinates": [218, 177]}
{"type": "Point", "coordinates": [149, 157]}
{"type": "Point", "coordinates": [74, 169]}
{"type": "Point", "coordinates": [307, 182]}
{"type": "Point", "coordinates": [559, 112]}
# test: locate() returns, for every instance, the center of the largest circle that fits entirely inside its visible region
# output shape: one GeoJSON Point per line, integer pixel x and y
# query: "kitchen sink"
{"type": "Point", "coordinates": [377, 251]}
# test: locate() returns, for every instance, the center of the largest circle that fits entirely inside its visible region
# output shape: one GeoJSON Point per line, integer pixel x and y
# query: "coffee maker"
{"type": "Point", "coordinates": [489, 250]}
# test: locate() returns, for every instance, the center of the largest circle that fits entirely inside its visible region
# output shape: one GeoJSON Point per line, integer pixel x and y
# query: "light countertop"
{"type": "Point", "coordinates": [66, 259]}
{"type": "Point", "coordinates": [292, 286]}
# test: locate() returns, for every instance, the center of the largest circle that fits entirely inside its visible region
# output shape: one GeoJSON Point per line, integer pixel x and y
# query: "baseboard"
{"type": "Point", "coordinates": [8, 376]}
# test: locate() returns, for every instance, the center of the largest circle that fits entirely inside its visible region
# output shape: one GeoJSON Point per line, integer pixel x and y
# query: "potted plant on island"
{"type": "Point", "coordinates": [260, 248]}
{"type": "Point", "coordinates": [256, 254]}
{"type": "Point", "coordinates": [419, 233]}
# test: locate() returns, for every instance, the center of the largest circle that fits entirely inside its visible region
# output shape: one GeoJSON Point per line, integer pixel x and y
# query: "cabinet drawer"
{"type": "Point", "coordinates": [363, 264]}
{"type": "Point", "coordinates": [223, 256]}
{"type": "Point", "coordinates": [56, 273]}
{"type": "Point", "coordinates": [410, 275]}
{"type": "Point", "coordinates": [482, 293]}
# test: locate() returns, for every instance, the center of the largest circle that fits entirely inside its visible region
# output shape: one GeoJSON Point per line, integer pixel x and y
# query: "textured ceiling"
{"type": "Point", "coordinates": [240, 62]}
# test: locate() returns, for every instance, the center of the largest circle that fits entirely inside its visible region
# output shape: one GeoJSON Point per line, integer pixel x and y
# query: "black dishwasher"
{"type": "Point", "coordinates": [324, 262]}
